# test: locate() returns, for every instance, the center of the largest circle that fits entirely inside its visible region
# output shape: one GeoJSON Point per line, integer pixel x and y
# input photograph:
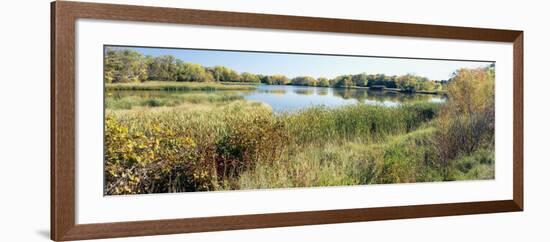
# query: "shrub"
{"type": "Point", "coordinates": [145, 162]}
{"type": "Point", "coordinates": [253, 138]}
{"type": "Point", "coordinates": [179, 151]}
{"type": "Point", "coordinates": [466, 122]}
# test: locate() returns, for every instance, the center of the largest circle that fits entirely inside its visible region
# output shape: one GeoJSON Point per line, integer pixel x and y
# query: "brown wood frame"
{"type": "Point", "coordinates": [63, 17]}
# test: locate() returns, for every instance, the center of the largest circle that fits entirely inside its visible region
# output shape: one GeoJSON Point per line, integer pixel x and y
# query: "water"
{"type": "Point", "coordinates": [291, 98]}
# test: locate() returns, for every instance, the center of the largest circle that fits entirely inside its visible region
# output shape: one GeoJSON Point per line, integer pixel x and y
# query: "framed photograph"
{"type": "Point", "coordinates": [172, 120]}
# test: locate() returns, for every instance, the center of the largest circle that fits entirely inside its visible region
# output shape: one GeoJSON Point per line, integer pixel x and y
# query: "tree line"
{"type": "Point", "coordinates": [126, 66]}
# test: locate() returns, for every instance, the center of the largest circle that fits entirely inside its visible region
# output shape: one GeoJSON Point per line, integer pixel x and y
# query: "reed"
{"type": "Point", "coordinates": [240, 145]}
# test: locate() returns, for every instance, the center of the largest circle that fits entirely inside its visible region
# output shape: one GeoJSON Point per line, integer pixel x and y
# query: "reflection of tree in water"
{"type": "Point", "coordinates": [304, 91]}
{"type": "Point", "coordinates": [346, 93]}
{"type": "Point", "coordinates": [360, 95]}
{"type": "Point", "coordinates": [322, 91]}
{"type": "Point", "coordinates": [381, 96]}
{"type": "Point", "coordinates": [272, 91]}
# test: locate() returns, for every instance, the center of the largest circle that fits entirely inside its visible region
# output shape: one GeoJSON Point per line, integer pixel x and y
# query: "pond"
{"type": "Point", "coordinates": [285, 98]}
{"type": "Point", "coordinates": [290, 98]}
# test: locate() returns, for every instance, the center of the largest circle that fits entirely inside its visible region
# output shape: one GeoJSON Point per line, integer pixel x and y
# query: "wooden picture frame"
{"type": "Point", "coordinates": [63, 17]}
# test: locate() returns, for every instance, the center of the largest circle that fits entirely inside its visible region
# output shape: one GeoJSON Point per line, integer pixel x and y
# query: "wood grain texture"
{"type": "Point", "coordinates": [63, 123]}
{"type": "Point", "coordinates": [518, 121]}
{"type": "Point", "coordinates": [158, 227]}
{"type": "Point", "coordinates": [63, 18]}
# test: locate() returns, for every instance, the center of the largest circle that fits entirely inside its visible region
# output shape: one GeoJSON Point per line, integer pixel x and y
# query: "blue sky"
{"type": "Point", "coordinates": [293, 65]}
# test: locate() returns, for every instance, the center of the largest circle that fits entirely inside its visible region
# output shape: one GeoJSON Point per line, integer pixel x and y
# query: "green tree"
{"type": "Point", "coordinates": [304, 81]}
{"type": "Point", "coordinates": [163, 68]}
{"type": "Point", "coordinates": [224, 74]}
{"type": "Point", "coordinates": [264, 79]}
{"type": "Point", "coordinates": [190, 72]}
{"type": "Point", "coordinates": [426, 85]}
{"type": "Point", "coordinates": [360, 80]}
{"type": "Point", "coordinates": [278, 80]}
{"type": "Point", "coordinates": [343, 81]}
{"type": "Point", "coordinates": [323, 82]}
{"type": "Point", "coordinates": [249, 77]}
{"type": "Point", "coordinates": [124, 65]}
{"type": "Point", "coordinates": [407, 82]}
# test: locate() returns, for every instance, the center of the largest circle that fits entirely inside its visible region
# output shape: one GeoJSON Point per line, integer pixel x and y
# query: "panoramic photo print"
{"type": "Point", "coordinates": [187, 120]}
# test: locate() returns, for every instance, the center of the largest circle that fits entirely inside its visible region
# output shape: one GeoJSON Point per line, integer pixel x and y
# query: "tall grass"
{"type": "Point", "coordinates": [361, 121]}
{"type": "Point", "coordinates": [129, 101]}
{"type": "Point", "coordinates": [402, 158]}
{"type": "Point", "coordinates": [408, 158]}
{"type": "Point", "coordinates": [226, 143]}
{"type": "Point", "coordinates": [174, 151]}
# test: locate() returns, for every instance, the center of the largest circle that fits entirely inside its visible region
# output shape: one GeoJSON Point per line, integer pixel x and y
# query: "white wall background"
{"type": "Point", "coordinates": [24, 120]}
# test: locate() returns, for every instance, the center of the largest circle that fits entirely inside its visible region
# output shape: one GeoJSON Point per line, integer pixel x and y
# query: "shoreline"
{"type": "Point", "coordinates": [190, 86]}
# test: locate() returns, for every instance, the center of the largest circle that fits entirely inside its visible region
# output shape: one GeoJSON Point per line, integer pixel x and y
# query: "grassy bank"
{"type": "Point", "coordinates": [176, 86]}
{"type": "Point", "coordinates": [400, 159]}
{"type": "Point", "coordinates": [243, 145]}
{"type": "Point", "coordinates": [118, 99]}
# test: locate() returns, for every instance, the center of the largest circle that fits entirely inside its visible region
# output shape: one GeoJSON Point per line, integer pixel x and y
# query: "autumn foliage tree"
{"type": "Point", "coordinates": [124, 66]}
{"type": "Point", "coordinates": [127, 65]}
{"type": "Point", "coordinates": [467, 121]}
{"type": "Point", "coordinates": [249, 77]}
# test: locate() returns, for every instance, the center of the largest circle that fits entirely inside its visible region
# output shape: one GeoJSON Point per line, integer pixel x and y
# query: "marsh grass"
{"type": "Point", "coordinates": [243, 145]}
{"type": "Point", "coordinates": [219, 141]}
{"type": "Point", "coordinates": [399, 159]}
{"type": "Point", "coordinates": [156, 143]}
{"type": "Point", "coordinates": [361, 121]}
{"type": "Point", "coordinates": [176, 86]}
{"type": "Point", "coordinates": [478, 165]}
{"type": "Point", "coordinates": [114, 101]}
